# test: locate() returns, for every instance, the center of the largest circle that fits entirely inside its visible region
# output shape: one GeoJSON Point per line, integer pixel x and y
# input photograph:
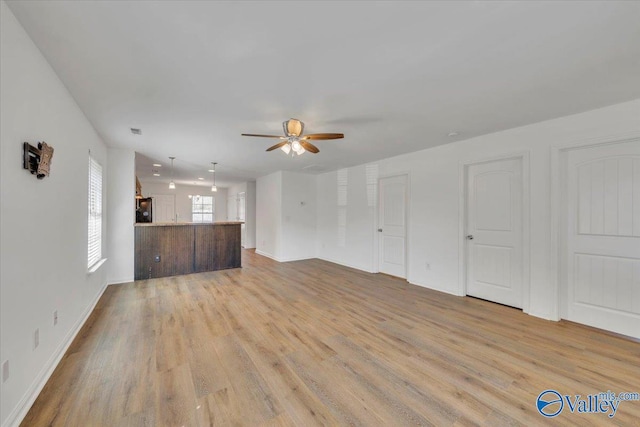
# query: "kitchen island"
{"type": "Point", "coordinates": [171, 249]}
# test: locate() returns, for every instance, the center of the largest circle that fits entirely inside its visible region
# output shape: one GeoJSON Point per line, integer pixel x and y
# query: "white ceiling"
{"type": "Point", "coordinates": [394, 77]}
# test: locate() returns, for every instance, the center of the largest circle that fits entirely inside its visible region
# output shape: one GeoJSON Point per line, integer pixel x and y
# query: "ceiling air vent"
{"type": "Point", "coordinates": [136, 131]}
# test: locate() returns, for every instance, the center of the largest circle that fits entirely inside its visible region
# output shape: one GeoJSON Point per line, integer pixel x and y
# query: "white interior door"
{"type": "Point", "coordinates": [164, 208]}
{"type": "Point", "coordinates": [392, 229]}
{"type": "Point", "coordinates": [603, 225]}
{"type": "Point", "coordinates": [494, 231]}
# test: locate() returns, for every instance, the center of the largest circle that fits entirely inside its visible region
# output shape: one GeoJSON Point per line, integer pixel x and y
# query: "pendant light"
{"type": "Point", "coordinates": [293, 146]}
{"type": "Point", "coordinates": [172, 185]}
{"type": "Point", "coordinates": [213, 187]}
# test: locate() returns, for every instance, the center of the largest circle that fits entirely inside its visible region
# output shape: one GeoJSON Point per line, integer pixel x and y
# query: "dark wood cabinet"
{"type": "Point", "coordinates": [170, 250]}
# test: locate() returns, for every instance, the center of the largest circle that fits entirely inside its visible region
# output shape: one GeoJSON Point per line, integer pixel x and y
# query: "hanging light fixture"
{"type": "Point", "coordinates": [296, 146]}
{"type": "Point", "coordinates": [286, 148]}
{"type": "Point", "coordinates": [293, 144]}
{"type": "Point", "coordinates": [172, 185]}
{"type": "Point", "coordinates": [213, 187]}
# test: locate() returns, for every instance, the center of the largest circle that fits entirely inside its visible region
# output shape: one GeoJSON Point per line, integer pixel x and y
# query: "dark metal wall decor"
{"type": "Point", "coordinates": [37, 160]}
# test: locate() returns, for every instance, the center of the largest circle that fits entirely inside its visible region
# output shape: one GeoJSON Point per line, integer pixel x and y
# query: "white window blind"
{"type": "Point", "coordinates": [202, 209]}
{"type": "Point", "coordinates": [95, 213]}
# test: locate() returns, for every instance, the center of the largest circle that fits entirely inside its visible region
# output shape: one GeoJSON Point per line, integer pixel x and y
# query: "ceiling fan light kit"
{"type": "Point", "coordinates": [293, 145]}
{"type": "Point", "coordinates": [294, 142]}
{"type": "Point", "coordinates": [286, 148]}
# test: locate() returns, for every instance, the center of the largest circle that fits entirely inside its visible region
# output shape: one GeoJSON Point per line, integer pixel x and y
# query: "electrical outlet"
{"type": "Point", "coordinates": [36, 339]}
{"type": "Point", "coordinates": [55, 318]}
{"type": "Point", "coordinates": [5, 370]}
{"type": "Point", "coordinates": [428, 266]}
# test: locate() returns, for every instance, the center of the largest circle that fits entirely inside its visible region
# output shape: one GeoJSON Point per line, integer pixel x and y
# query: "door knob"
{"type": "Point", "coordinates": [470, 237]}
{"type": "Point", "coordinates": [379, 230]}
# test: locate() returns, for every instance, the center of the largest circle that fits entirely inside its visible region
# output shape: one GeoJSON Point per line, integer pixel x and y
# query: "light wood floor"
{"type": "Point", "coordinates": [311, 342]}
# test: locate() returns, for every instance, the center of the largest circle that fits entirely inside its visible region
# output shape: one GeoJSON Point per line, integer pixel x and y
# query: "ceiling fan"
{"type": "Point", "coordinates": [294, 142]}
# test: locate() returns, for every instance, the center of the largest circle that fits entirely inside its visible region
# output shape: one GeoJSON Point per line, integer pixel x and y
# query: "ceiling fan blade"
{"type": "Point", "coordinates": [309, 146]}
{"type": "Point", "coordinates": [323, 136]}
{"type": "Point", "coordinates": [278, 145]}
{"type": "Point", "coordinates": [264, 136]}
{"type": "Point", "coordinates": [293, 127]}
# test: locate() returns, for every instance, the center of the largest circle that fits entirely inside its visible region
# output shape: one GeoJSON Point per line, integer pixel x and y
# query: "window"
{"type": "Point", "coordinates": [202, 209]}
{"type": "Point", "coordinates": [95, 213]}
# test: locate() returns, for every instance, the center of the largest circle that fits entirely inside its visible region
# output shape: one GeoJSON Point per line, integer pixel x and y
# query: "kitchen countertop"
{"type": "Point", "coordinates": [166, 224]}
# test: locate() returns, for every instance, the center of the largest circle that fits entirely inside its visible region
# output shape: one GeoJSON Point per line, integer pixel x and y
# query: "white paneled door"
{"type": "Point", "coordinates": [392, 226]}
{"type": "Point", "coordinates": [494, 231]}
{"type": "Point", "coordinates": [164, 208]}
{"type": "Point", "coordinates": [603, 225]}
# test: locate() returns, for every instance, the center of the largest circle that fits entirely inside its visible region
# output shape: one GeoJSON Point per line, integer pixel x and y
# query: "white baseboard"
{"type": "Point", "coordinates": [259, 252]}
{"type": "Point", "coordinates": [275, 258]}
{"type": "Point", "coordinates": [545, 316]}
{"type": "Point", "coordinates": [345, 264]}
{"type": "Point", "coordinates": [120, 281]}
{"type": "Point", "coordinates": [22, 408]}
{"type": "Point", "coordinates": [295, 259]}
{"type": "Point", "coordinates": [444, 291]}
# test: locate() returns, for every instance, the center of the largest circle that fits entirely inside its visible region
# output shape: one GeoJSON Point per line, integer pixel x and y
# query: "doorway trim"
{"type": "Point", "coordinates": [407, 218]}
{"type": "Point", "coordinates": [524, 157]}
{"type": "Point", "coordinates": [558, 211]}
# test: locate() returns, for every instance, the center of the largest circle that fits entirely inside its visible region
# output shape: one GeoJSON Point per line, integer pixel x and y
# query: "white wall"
{"type": "Point", "coordinates": [269, 215]}
{"type": "Point", "coordinates": [183, 202]}
{"type": "Point", "coordinates": [249, 188]}
{"type": "Point", "coordinates": [286, 216]}
{"type": "Point", "coordinates": [434, 206]}
{"type": "Point", "coordinates": [232, 195]}
{"type": "Point", "coordinates": [121, 188]}
{"type": "Point", "coordinates": [43, 223]}
{"type": "Point", "coordinates": [250, 215]}
{"type": "Point", "coordinates": [345, 223]}
{"type": "Point", "coordinates": [298, 216]}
